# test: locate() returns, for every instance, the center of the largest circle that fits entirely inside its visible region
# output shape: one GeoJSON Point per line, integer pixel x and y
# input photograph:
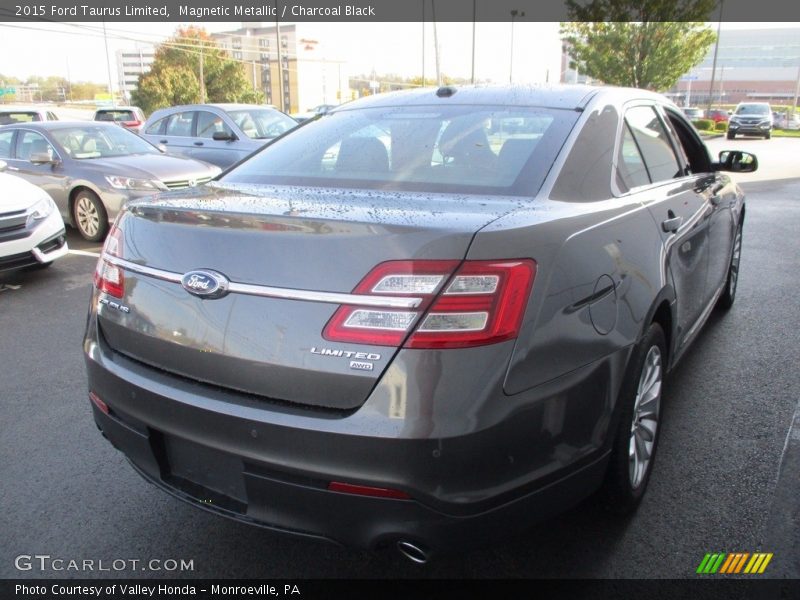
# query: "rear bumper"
{"type": "Point", "coordinates": [308, 510]}
{"type": "Point", "coordinates": [271, 466]}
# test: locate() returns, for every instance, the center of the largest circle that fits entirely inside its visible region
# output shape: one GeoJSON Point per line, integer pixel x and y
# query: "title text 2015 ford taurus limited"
{"type": "Point", "coordinates": [425, 319]}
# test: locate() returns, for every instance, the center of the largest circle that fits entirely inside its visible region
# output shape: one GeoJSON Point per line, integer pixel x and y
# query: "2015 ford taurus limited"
{"type": "Point", "coordinates": [424, 319]}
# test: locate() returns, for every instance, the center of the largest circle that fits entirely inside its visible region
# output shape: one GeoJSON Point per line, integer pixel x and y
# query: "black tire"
{"type": "Point", "coordinates": [767, 135]}
{"type": "Point", "coordinates": [731, 135]}
{"type": "Point", "coordinates": [625, 481]}
{"type": "Point", "coordinates": [90, 216]}
{"type": "Point", "coordinates": [728, 296]}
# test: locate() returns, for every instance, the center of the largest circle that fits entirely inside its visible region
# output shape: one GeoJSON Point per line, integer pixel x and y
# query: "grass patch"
{"type": "Point", "coordinates": [785, 133]}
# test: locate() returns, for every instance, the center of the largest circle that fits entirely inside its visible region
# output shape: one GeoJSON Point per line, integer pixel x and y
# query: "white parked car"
{"type": "Point", "coordinates": [31, 228]}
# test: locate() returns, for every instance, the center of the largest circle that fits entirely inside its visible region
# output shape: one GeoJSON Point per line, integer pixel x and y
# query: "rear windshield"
{"type": "Point", "coordinates": [468, 149]}
{"type": "Point", "coordinates": [7, 118]}
{"type": "Point", "coordinates": [115, 115]}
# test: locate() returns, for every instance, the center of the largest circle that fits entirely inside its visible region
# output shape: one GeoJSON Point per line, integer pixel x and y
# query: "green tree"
{"type": "Point", "coordinates": [174, 77]}
{"type": "Point", "coordinates": [646, 44]}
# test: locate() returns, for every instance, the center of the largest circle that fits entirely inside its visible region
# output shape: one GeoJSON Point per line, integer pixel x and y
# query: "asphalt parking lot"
{"type": "Point", "coordinates": [729, 407]}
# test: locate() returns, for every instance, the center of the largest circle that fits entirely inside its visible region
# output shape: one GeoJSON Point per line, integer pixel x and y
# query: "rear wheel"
{"type": "Point", "coordinates": [90, 216]}
{"type": "Point", "coordinates": [767, 135]}
{"type": "Point", "coordinates": [635, 443]}
{"type": "Point", "coordinates": [729, 293]}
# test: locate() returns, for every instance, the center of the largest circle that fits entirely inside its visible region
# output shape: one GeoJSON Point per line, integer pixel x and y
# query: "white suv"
{"type": "Point", "coordinates": [31, 229]}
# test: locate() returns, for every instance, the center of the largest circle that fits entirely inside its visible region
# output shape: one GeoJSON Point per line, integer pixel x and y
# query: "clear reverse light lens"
{"type": "Point", "coordinates": [408, 284]}
{"type": "Point", "coordinates": [455, 322]}
{"type": "Point", "coordinates": [473, 284]}
{"type": "Point", "coordinates": [380, 319]}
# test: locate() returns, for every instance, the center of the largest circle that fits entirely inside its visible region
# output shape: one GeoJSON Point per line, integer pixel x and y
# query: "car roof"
{"type": "Point", "coordinates": [51, 125]}
{"type": "Point", "coordinates": [118, 108]}
{"type": "Point", "coordinates": [25, 109]}
{"type": "Point", "coordinates": [570, 97]}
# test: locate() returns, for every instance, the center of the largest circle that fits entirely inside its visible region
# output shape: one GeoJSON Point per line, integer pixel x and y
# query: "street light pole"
{"type": "Point", "coordinates": [714, 62]}
{"type": "Point", "coordinates": [108, 66]}
{"type": "Point", "coordinates": [423, 43]}
{"type": "Point", "coordinates": [514, 14]}
{"type": "Point", "coordinates": [474, 17]}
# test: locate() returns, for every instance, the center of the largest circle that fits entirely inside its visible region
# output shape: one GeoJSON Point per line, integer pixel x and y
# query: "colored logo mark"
{"type": "Point", "coordinates": [734, 563]}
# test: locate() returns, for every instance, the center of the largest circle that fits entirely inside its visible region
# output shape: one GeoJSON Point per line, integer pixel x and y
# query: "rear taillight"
{"type": "Point", "coordinates": [108, 277]}
{"type": "Point", "coordinates": [481, 303]}
{"type": "Point", "coordinates": [131, 123]}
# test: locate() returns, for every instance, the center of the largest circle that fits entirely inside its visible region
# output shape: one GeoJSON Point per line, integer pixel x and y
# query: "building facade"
{"type": "Point", "coordinates": [131, 64]}
{"type": "Point", "coordinates": [752, 65]}
{"type": "Point", "coordinates": [305, 74]}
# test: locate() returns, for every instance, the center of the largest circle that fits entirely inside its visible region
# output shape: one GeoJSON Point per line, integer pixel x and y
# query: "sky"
{"type": "Point", "coordinates": [77, 50]}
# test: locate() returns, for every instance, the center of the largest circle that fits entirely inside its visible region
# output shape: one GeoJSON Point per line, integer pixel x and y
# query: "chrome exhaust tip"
{"type": "Point", "coordinates": [413, 552]}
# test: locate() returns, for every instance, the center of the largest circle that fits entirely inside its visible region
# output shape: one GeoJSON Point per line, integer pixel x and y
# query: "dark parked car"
{"type": "Point", "coordinates": [410, 324]}
{"type": "Point", "coordinates": [129, 117]}
{"type": "Point", "coordinates": [91, 169]}
{"type": "Point", "coordinates": [221, 134]}
{"type": "Point", "coordinates": [751, 118]}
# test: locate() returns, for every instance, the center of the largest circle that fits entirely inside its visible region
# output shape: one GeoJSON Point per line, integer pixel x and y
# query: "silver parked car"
{"type": "Point", "coordinates": [92, 169]}
{"type": "Point", "coordinates": [221, 134]}
{"type": "Point", "coordinates": [426, 320]}
{"type": "Point", "coordinates": [25, 114]}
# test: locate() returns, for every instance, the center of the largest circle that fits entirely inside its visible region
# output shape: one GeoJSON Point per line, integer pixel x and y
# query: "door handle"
{"type": "Point", "coordinates": [672, 223]}
{"type": "Point", "coordinates": [198, 143]}
{"type": "Point", "coordinates": [164, 142]}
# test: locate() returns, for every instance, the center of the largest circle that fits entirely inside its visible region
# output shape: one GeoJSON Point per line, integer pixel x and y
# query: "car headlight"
{"type": "Point", "coordinates": [41, 210]}
{"type": "Point", "coordinates": [129, 183]}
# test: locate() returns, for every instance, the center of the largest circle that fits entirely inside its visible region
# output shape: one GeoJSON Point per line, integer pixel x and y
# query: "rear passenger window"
{"type": "Point", "coordinates": [5, 143]}
{"type": "Point", "coordinates": [654, 143]}
{"type": "Point", "coordinates": [157, 127]}
{"type": "Point", "coordinates": [180, 124]}
{"type": "Point", "coordinates": [630, 165]}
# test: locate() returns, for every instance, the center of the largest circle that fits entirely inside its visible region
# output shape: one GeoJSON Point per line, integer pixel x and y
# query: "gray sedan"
{"type": "Point", "coordinates": [427, 319]}
{"type": "Point", "coordinates": [92, 169]}
{"type": "Point", "coordinates": [221, 134]}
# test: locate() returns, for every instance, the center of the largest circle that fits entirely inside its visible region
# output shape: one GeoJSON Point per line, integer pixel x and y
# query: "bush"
{"type": "Point", "coordinates": [704, 124]}
{"type": "Point", "coordinates": [721, 126]}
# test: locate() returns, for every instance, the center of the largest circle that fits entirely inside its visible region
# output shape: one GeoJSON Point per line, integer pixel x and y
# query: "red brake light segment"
{"type": "Point", "coordinates": [365, 490]}
{"type": "Point", "coordinates": [109, 278]}
{"type": "Point", "coordinates": [482, 303]}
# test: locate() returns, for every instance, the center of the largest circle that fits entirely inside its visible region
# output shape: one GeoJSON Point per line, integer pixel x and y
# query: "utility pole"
{"type": "Point", "coordinates": [514, 14]}
{"type": "Point", "coordinates": [108, 65]}
{"type": "Point", "coordinates": [796, 91]}
{"type": "Point", "coordinates": [714, 63]}
{"type": "Point", "coordinates": [474, 18]}
{"type": "Point", "coordinates": [280, 57]}
{"type": "Point", "coordinates": [436, 45]}
{"type": "Point", "coordinates": [423, 43]}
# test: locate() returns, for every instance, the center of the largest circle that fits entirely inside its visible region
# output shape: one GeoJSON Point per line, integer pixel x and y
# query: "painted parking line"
{"type": "Point", "coordinates": [85, 253]}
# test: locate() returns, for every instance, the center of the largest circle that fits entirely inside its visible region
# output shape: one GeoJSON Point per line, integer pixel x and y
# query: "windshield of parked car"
{"type": "Point", "coordinates": [752, 109]}
{"type": "Point", "coordinates": [261, 123]}
{"type": "Point", "coordinates": [480, 149]}
{"type": "Point", "coordinates": [100, 142]}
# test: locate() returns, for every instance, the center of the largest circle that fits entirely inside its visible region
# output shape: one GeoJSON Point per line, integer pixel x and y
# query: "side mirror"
{"type": "Point", "coordinates": [737, 161]}
{"type": "Point", "coordinates": [3, 165]}
{"type": "Point", "coordinates": [223, 136]}
{"type": "Point", "coordinates": [40, 158]}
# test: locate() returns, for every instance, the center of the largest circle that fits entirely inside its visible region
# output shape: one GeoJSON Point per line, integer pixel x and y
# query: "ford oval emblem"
{"type": "Point", "coordinates": [205, 283]}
